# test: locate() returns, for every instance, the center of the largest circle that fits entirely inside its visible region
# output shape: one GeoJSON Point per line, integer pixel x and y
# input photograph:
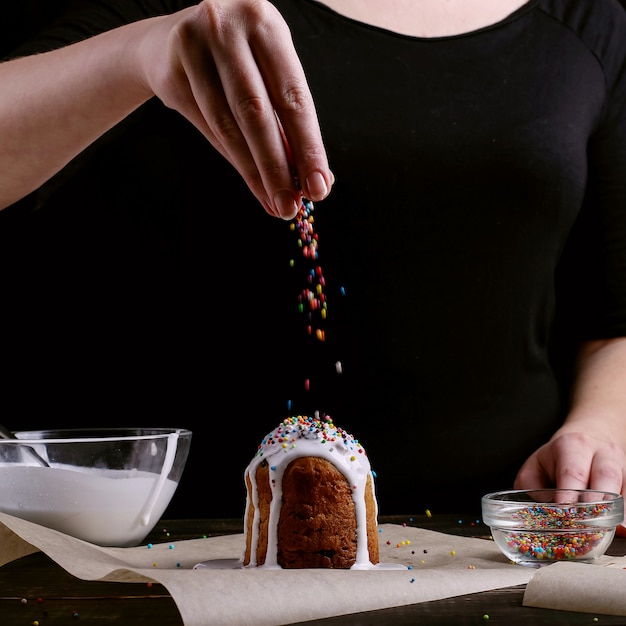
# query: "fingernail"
{"type": "Point", "coordinates": [316, 186]}
{"type": "Point", "coordinates": [285, 204]}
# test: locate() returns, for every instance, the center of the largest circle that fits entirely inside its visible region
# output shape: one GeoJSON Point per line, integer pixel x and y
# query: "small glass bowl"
{"type": "Point", "coordinates": [542, 526]}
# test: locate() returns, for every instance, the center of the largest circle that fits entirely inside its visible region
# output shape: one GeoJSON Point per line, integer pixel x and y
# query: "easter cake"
{"type": "Point", "coordinates": [310, 499]}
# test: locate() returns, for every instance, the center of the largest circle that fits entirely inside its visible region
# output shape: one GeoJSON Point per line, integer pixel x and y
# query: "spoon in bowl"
{"type": "Point", "coordinates": [5, 433]}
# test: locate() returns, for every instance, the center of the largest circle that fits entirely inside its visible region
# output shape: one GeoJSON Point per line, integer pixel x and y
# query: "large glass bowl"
{"type": "Point", "coordinates": [542, 526]}
{"type": "Point", "coordinates": [108, 486]}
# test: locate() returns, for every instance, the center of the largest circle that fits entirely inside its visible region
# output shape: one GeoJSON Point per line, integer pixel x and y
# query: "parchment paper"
{"type": "Point", "coordinates": [442, 566]}
{"type": "Point", "coordinates": [587, 588]}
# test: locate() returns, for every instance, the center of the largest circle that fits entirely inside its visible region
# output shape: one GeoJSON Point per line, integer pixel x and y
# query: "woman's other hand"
{"type": "Point", "coordinates": [589, 450]}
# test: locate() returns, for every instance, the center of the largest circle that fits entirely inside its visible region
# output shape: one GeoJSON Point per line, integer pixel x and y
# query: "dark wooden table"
{"type": "Point", "coordinates": [34, 590]}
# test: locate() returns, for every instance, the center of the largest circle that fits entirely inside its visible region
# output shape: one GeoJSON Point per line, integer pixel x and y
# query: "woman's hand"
{"type": "Point", "coordinates": [575, 460]}
{"type": "Point", "coordinates": [589, 450]}
{"type": "Point", "coordinates": [229, 66]}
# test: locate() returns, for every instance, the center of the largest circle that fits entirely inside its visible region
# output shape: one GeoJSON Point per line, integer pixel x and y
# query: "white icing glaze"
{"type": "Point", "coordinates": [302, 436]}
{"type": "Point", "coordinates": [102, 506]}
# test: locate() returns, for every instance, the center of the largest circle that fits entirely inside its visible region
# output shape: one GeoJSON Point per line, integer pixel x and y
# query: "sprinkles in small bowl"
{"type": "Point", "coordinates": [542, 526]}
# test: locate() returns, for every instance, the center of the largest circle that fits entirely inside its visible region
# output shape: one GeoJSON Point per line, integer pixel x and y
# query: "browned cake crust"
{"type": "Point", "coordinates": [317, 527]}
{"type": "Point", "coordinates": [265, 498]}
{"type": "Point", "coordinates": [371, 510]}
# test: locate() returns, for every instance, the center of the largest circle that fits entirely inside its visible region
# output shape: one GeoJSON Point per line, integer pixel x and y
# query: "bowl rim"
{"type": "Point", "coordinates": [94, 434]}
{"type": "Point", "coordinates": [494, 497]}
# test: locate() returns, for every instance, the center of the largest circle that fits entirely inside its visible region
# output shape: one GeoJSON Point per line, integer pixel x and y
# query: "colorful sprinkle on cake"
{"type": "Point", "coordinates": [293, 430]}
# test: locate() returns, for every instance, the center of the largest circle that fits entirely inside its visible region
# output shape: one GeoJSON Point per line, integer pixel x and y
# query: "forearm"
{"type": "Point", "coordinates": [54, 105]}
{"type": "Point", "coordinates": [598, 404]}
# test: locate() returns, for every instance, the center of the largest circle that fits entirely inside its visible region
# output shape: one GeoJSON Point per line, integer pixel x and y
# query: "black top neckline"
{"type": "Point", "coordinates": [522, 10]}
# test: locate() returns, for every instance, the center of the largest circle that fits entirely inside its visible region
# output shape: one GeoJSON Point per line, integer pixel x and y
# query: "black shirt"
{"type": "Point", "coordinates": [476, 231]}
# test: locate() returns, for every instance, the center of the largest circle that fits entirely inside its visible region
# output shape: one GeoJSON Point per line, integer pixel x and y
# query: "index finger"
{"type": "Point", "coordinates": [294, 106]}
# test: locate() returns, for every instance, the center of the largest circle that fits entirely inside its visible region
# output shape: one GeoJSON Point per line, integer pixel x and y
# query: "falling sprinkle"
{"type": "Point", "coordinates": [312, 299]}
